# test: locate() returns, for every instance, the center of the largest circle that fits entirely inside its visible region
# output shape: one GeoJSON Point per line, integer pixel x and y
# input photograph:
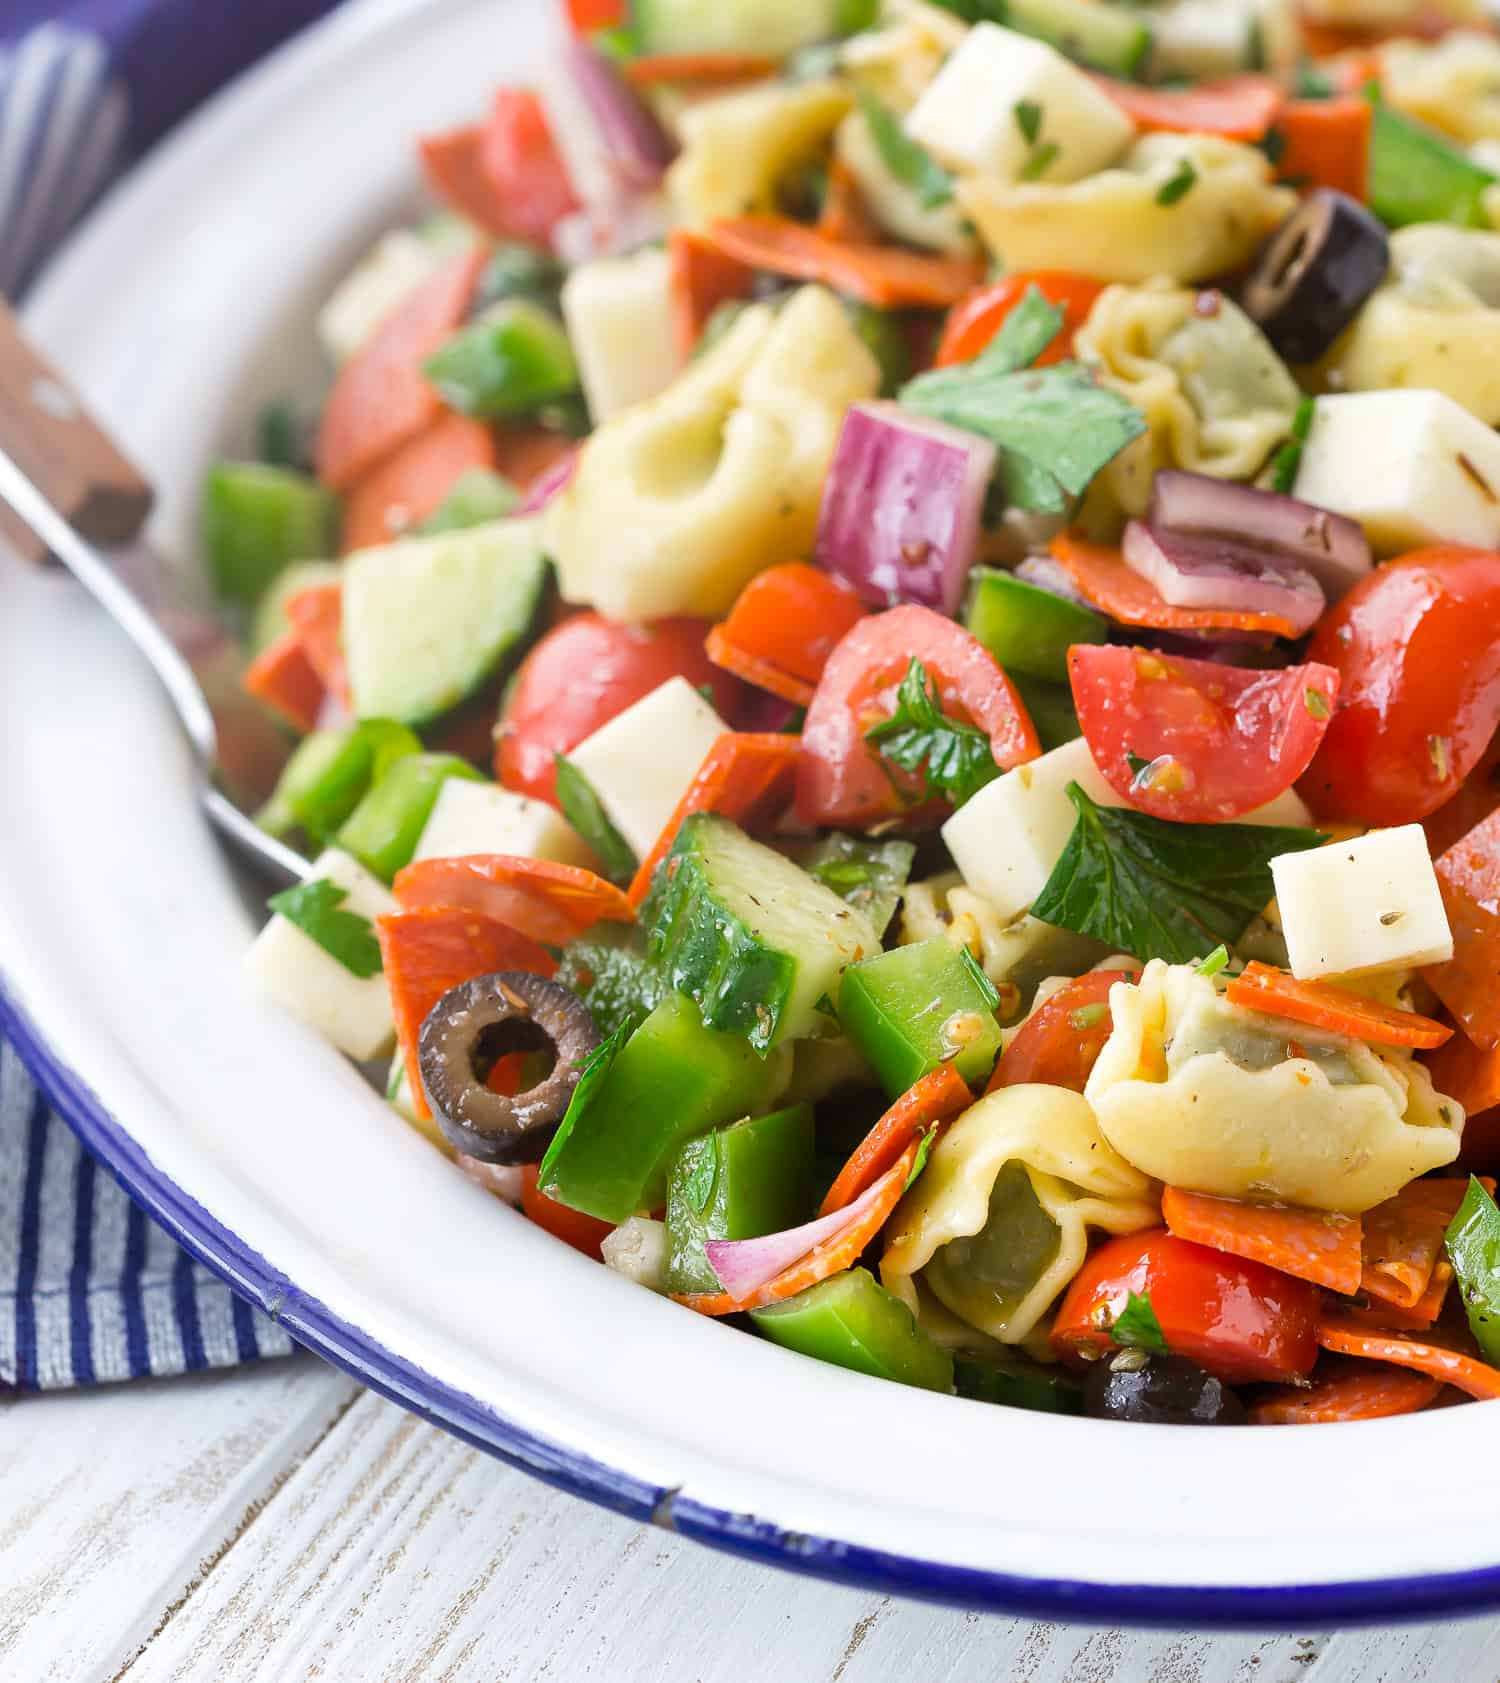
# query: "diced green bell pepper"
{"type": "Point", "coordinates": [477, 496]}
{"type": "Point", "coordinates": [510, 361]}
{"type": "Point", "coordinates": [1018, 1382]}
{"type": "Point", "coordinates": [673, 1078]}
{"type": "Point", "coordinates": [751, 1178]}
{"type": "Point", "coordinates": [1419, 175]}
{"type": "Point", "coordinates": [1051, 709]}
{"type": "Point", "coordinates": [608, 969]}
{"type": "Point", "coordinates": [383, 830]}
{"type": "Point", "coordinates": [870, 875]}
{"type": "Point", "coordinates": [853, 1321]}
{"type": "Point", "coordinates": [258, 519]}
{"type": "Point", "coordinates": [1474, 1250]}
{"type": "Point", "coordinates": [331, 772]}
{"type": "Point", "coordinates": [1028, 630]}
{"type": "Point", "coordinates": [916, 1007]}
{"type": "Point", "coordinates": [519, 271]}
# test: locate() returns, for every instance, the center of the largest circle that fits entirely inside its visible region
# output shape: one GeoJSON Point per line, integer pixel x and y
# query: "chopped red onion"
{"type": "Point", "coordinates": [1332, 547]}
{"type": "Point", "coordinates": [1199, 571]}
{"type": "Point", "coordinates": [547, 484]}
{"type": "Point", "coordinates": [637, 146]}
{"type": "Point", "coordinates": [765, 714]}
{"type": "Point", "coordinates": [1049, 575]}
{"type": "Point", "coordinates": [745, 1265]}
{"type": "Point", "coordinates": [610, 229]}
{"type": "Point", "coordinates": [903, 506]}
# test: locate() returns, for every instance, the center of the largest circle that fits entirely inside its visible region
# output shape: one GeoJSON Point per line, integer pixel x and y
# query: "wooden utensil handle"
{"type": "Point", "coordinates": [47, 431]}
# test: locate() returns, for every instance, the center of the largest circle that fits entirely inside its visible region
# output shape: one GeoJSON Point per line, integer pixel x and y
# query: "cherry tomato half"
{"type": "Point", "coordinates": [1060, 1042]}
{"type": "Point", "coordinates": [523, 167]}
{"type": "Point", "coordinates": [1194, 741]}
{"type": "Point", "coordinates": [1416, 648]}
{"type": "Point", "coordinates": [840, 777]}
{"type": "Point", "coordinates": [580, 675]}
{"type": "Point", "coordinates": [976, 319]}
{"type": "Point", "coordinates": [573, 1227]}
{"type": "Point", "coordinates": [1239, 1320]}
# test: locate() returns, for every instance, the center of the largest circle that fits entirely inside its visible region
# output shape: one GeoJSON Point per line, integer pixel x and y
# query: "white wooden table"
{"type": "Point", "coordinates": [281, 1524]}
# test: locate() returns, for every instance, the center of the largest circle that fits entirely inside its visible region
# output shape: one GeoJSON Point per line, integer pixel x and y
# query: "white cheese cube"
{"type": "Point", "coordinates": [1413, 467]}
{"type": "Point", "coordinates": [619, 316]}
{"type": "Point", "coordinates": [1007, 839]}
{"type": "Point", "coordinates": [642, 761]}
{"type": "Point", "coordinates": [484, 818]}
{"type": "Point", "coordinates": [1003, 102]}
{"type": "Point", "coordinates": [395, 267]}
{"type": "Point", "coordinates": [1368, 904]}
{"type": "Point", "coordinates": [353, 1012]}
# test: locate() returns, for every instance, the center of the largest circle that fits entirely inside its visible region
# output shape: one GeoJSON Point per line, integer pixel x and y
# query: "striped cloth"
{"type": "Point", "coordinates": [90, 1289]}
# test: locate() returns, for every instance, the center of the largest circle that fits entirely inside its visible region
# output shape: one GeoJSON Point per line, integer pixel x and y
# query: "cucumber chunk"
{"type": "Point", "coordinates": [756, 941]}
{"type": "Point", "coordinates": [476, 498]}
{"type": "Point", "coordinates": [258, 519]}
{"type": "Point", "coordinates": [853, 1321]}
{"type": "Point", "coordinates": [383, 830]}
{"type": "Point", "coordinates": [428, 621]}
{"type": "Point", "coordinates": [772, 28]}
{"type": "Point", "coordinates": [1109, 38]}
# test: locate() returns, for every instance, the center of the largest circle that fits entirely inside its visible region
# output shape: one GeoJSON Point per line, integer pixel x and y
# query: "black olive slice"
{"type": "Point", "coordinates": [465, 1034]}
{"type": "Point", "coordinates": [1164, 1390]}
{"type": "Point", "coordinates": [1316, 270]}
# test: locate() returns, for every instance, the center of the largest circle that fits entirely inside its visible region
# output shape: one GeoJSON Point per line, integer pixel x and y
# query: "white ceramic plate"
{"type": "Point", "coordinates": [185, 302]}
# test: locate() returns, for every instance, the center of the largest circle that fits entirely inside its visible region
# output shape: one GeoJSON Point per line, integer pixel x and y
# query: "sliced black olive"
{"type": "Point", "coordinates": [1163, 1390]}
{"type": "Point", "coordinates": [1316, 270]}
{"type": "Point", "coordinates": [466, 1033]}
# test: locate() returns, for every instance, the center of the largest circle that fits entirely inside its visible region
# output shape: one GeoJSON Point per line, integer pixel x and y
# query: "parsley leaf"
{"type": "Point", "coordinates": [1028, 120]}
{"type": "Point", "coordinates": [910, 162]}
{"type": "Point", "coordinates": [1156, 889]}
{"type": "Point", "coordinates": [585, 812]}
{"type": "Point", "coordinates": [315, 909]}
{"type": "Point", "coordinates": [919, 1162]}
{"type": "Point", "coordinates": [1056, 428]}
{"type": "Point", "coordinates": [1215, 962]}
{"type": "Point", "coordinates": [1288, 458]}
{"type": "Point", "coordinates": [1040, 161]}
{"type": "Point", "coordinates": [1178, 186]}
{"type": "Point", "coordinates": [1137, 1326]}
{"type": "Point", "coordinates": [954, 758]}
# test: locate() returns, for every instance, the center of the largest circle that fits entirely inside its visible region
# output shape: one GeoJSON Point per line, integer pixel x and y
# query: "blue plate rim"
{"type": "Point", "coordinates": [312, 1324]}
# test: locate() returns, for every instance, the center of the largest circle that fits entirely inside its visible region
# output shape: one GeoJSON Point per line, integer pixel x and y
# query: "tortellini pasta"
{"type": "Point", "coordinates": [1204, 1095]}
{"type": "Point", "coordinates": [678, 502]}
{"type": "Point", "coordinates": [897, 61]}
{"type": "Point", "coordinates": [738, 148]}
{"type": "Point", "coordinates": [1452, 83]}
{"type": "Point", "coordinates": [894, 205]}
{"type": "Point", "coordinates": [1019, 954]}
{"type": "Point", "coordinates": [998, 1224]}
{"type": "Point", "coordinates": [1435, 323]}
{"type": "Point", "coordinates": [1186, 206]}
{"type": "Point", "coordinates": [1216, 397]}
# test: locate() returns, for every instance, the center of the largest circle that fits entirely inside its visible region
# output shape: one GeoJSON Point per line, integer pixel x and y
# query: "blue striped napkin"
{"type": "Point", "coordinates": [90, 1289]}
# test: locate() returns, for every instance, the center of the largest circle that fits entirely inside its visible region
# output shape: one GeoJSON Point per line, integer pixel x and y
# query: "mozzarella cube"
{"type": "Point", "coordinates": [642, 761]}
{"type": "Point", "coordinates": [1007, 105]}
{"type": "Point", "coordinates": [1368, 904]}
{"type": "Point", "coordinates": [352, 1012]}
{"type": "Point", "coordinates": [619, 316]}
{"type": "Point", "coordinates": [1007, 838]}
{"type": "Point", "coordinates": [484, 818]}
{"type": "Point", "coordinates": [1413, 467]}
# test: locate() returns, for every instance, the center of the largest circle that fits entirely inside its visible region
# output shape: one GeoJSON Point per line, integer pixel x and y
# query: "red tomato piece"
{"type": "Point", "coordinates": [1238, 1319]}
{"type": "Point", "coordinates": [583, 1232]}
{"type": "Point", "coordinates": [317, 616]}
{"type": "Point", "coordinates": [840, 778]}
{"type": "Point", "coordinates": [524, 168]}
{"type": "Point", "coordinates": [381, 397]}
{"type": "Point", "coordinates": [411, 483]}
{"type": "Point", "coordinates": [975, 320]}
{"type": "Point", "coordinates": [1060, 1042]}
{"type": "Point", "coordinates": [586, 16]}
{"type": "Point", "coordinates": [1469, 876]}
{"type": "Point", "coordinates": [282, 678]}
{"type": "Point", "coordinates": [1194, 741]}
{"type": "Point", "coordinates": [584, 672]}
{"type": "Point", "coordinates": [1415, 646]}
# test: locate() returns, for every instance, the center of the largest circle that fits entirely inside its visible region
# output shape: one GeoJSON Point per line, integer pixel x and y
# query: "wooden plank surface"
{"type": "Point", "coordinates": [279, 1525]}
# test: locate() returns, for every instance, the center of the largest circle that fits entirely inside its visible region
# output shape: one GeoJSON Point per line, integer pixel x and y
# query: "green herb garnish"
{"type": "Point", "coordinates": [954, 758]}
{"type": "Point", "coordinates": [1288, 459]}
{"type": "Point", "coordinates": [316, 909]}
{"type": "Point", "coordinates": [1028, 120]}
{"type": "Point", "coordinates": [1137, 1326]}
{"type": "Point", "coordinates": [1179, 185]}
{"type": "Point", "coordinates": [919, 1162]}
{"type": "Point", "coordinates": [1316, 704]}
{"type": "Point", "coordinates": [1040, 161]}
{"type": "Point", "coordinates": [1156, 889]}
{"type": "Point", "coordinates": [1473, 1242]}
{"type": "Point", "coordinates": [585, 812]}
{"type": "Point", "coordinates": [910, 162]}
{"type": "Point", "coordinates": [1215, 962]}
{"type": "Point", "coordinates": [1056, 428]}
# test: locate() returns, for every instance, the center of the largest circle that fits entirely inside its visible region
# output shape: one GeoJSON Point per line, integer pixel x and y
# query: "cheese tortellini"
{"type": "Point", "coordinates": [895, 205]}
{"type": "Point", "coordinates": [1435, 323]}
{"type": "Point", "coordinates": [1452, 83]}
{"type": "Point", "coordinates": [896, 62]}
{"type": "Point", "coordinates": [1216, 397]}
{"type": "Point", "coordinates": [998, 1224]}
{"type": "Point", "coordinates": [738, 148]}
{"type": "Point", "coordinates": [1186, 206]}
{"type": "Point", "coordinates": [678, 502]}
{"type": "Point", "coordinates": [1207, 1096]}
